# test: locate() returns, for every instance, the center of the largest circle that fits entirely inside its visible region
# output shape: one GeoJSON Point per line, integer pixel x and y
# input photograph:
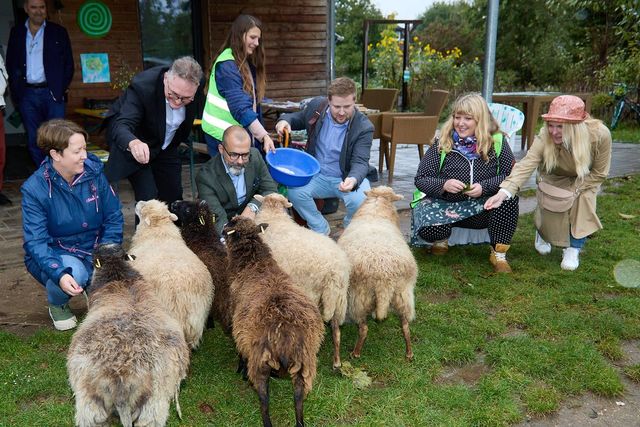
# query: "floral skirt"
{"type": "Point", "coordinates": [432, 211]}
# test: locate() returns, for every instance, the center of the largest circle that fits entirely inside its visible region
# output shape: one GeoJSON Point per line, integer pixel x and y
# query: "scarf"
{"type": "Point", "coordinates": [466, 146]}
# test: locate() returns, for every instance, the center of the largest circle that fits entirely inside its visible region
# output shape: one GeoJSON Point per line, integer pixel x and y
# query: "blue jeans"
{"type": "Point", "coordinates": [576, 243]}
{"type": "Point", "coordinates": [38, 106]}
{"type": "Point", "coordinates": [322, 187]}
{"type": "Point", "coordinates": [55, 295]}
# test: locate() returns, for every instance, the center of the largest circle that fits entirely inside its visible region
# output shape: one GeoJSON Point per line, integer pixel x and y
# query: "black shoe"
{"type": "Point", "coordinates": [4, 200]}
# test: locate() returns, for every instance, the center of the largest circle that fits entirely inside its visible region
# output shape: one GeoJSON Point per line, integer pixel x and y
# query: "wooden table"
{"type": "Point", "coordinates": [92, 119]}
{"type": "Point", "coordinates": [532, 101]}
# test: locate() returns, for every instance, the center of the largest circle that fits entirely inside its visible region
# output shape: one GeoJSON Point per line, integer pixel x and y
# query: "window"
{"type": "Point", "coordinates": [167, 31]}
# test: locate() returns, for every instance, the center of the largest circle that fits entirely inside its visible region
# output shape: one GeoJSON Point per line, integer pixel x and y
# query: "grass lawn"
{"type": "Point", "coordinates": [489, 349]}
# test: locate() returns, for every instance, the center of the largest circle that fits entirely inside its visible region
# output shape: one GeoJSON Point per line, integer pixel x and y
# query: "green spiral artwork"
{"type": "Point", "coordinates": [94, 19]}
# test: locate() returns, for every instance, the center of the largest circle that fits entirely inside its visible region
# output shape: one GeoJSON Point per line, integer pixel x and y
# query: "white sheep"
{"type": "Point", "coordinates": [128, 354]}
{"type": "Point", "coordinates": [181, 281]}
{"type": "Point", "coordinates": [313, 261]}
{"type": "Point", "coordinates": [383, 269]}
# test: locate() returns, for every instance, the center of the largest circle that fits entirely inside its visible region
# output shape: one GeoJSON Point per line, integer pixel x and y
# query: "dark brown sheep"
{"type": "Point", "coordinates": [275, 326]}
{"type": "Point", "coordinates": [197, 227]}
{"type": "Point", "coordinates": [128, 355]}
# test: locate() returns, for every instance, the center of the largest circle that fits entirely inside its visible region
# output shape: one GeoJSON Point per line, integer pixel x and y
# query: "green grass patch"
{"type": "Point", "coordinates": [633, 372]}
{"type": "Point", "coordinates": [489, 349]}
{"type": "Point", "coordinates": [626, 132]}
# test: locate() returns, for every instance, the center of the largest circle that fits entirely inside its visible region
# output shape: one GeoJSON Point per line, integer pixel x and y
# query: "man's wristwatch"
{"type": "Point", "coordinates": [254, 208]}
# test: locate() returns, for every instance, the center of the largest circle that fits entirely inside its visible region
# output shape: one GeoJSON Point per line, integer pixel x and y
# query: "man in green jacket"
{"type": "Point", "coordinates": [229, 181]}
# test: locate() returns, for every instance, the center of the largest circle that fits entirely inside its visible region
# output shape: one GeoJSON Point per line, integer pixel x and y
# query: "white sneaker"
{"type": "Point", "coordinates": [542, 247]}
{"type": "Point", "coordinates": [570, 259]}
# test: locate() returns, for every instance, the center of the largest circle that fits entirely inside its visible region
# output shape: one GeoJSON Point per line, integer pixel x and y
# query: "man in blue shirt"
{"type": "Point", "coordinates": [339, 137]}
{"type": "Point", "coordinates": [40, 67]}
{"type": "Point", "coordinates": [230, 181]}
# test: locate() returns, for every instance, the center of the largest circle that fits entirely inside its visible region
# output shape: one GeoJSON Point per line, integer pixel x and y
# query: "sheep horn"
{"type": "Point", "coordinates": [201, 219]}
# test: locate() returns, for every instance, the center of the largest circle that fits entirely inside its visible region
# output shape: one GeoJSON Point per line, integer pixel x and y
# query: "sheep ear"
{"type": "Point", "coordinates": [258, 197]}
{"type": "Point", "coordinates": [147, 220]}
{"type": "Point", "coordinates": [288, 204]}
{"type": "Point", "coordinates": [398, 197]}
{"type": "Point", "coordinates": [201, 219]}
{"type": "Point", "coordinates": [173, 217]}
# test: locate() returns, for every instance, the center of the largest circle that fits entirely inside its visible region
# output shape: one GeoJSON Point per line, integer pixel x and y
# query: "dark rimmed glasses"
{"type": "Point", "coordinates": [235, 156]}
{"type": "Point", "coordinates": [177, 98]}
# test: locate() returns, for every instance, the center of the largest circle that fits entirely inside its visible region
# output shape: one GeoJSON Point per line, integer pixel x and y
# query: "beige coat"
{"type": "Point", "coordinates": [581, 218]}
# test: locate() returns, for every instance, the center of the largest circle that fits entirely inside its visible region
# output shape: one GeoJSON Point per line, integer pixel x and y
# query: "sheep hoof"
{"type": "Point", "coordinates": [337, 367]}
{"type": "Point", "coordinates": [354, 355]}
{"type": "Point", "coordinates": [409, 357]}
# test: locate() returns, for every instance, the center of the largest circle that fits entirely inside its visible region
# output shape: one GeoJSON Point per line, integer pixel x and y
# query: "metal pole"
{"type": "Point", "coordinates": [490, 50]}
{"type": "Point", "coordinates": [332, 39]}
{"type": "Point", "coordinates": [405, 66]}
{"type": "Point", "coordinates": [365, 54]}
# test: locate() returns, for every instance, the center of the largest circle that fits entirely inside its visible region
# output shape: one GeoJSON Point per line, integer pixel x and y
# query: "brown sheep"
{"type": "Point", "coordinates": [275, 326]}
{"type": "Point", "coordinates": [313, 261]}
{"type": "Point", "coordinates": [128, 355]}
{"type": "Point", "coordinates": [383, 269]}
{"type": "Point", "coordinates": [197, 226]}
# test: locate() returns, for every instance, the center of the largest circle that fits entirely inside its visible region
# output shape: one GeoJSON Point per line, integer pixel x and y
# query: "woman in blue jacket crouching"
{"type": "Point", "coordinates": [68, 208]}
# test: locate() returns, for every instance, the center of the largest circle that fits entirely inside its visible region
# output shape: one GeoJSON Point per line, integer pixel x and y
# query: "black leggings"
{"type": "Point", "coordinates": [501, 224]}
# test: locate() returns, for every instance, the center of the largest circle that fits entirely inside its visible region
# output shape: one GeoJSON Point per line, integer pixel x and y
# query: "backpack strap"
{"type": "Point", "coordinates": [314, 119]}
{"type": "Point", "coordinates": [497, 147]}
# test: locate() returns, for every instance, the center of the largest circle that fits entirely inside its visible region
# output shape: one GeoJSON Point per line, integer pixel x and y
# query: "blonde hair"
{"type": "Point", "coordinates": [576, 139]}
{"type": "Point", "coordinates": [474, 105]}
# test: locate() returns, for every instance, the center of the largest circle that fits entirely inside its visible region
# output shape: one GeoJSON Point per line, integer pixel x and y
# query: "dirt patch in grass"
{"type": "Point", "coordinates": [24, 304]}
{"type": "Point", "coordinates": [468, 374]}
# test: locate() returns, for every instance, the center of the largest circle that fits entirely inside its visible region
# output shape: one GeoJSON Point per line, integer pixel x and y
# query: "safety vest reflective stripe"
{"type": "Point", "coordinates": [216, 116]}
{"type": "Point", "coordinates": [215, 122]}
{"type": "Point", "coordinates": [217, 101]}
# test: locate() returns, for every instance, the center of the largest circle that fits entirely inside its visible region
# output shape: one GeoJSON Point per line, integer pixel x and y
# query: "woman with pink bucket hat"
{"type": "Point", "coordinates": [572, 154]}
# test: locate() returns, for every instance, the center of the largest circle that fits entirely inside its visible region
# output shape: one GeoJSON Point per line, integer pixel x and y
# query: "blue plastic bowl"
{"type": "Point", "coordinates": [291, 167]}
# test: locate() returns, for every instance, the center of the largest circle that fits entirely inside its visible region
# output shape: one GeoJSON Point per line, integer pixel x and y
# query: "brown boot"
{"type": "Point", "coordinates": [440, 247]}
{"type": "Point", "coordinates": [498, 258]}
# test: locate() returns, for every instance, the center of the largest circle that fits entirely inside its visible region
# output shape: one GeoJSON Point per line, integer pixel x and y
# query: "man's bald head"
{"type": "Point", "coordinates": [236, 135]}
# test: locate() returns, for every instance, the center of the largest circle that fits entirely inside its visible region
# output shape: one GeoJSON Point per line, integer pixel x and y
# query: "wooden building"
{"type": "Point", "coordinates": [295, 37]}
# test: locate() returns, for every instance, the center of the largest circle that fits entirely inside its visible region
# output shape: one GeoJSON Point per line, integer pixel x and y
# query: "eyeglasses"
{"type": "Point", "coordinates": [236, 156]}
{"type": "Point", "coordinates": [177, 98]}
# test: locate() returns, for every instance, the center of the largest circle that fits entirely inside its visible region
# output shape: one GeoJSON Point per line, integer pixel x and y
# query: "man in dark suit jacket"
{"type": "Point", "coordinates": [146, 125]}
{"type": "Point", "coordinates": [230, 181]}
{"type": "Point", "coordinates": [40, 67]}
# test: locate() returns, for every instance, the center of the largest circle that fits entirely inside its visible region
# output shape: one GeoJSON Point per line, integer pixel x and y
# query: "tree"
{"type": "Point", "coordinates": [350, 16]}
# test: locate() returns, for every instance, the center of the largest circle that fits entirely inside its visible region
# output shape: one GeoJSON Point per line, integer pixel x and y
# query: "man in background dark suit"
{"type": "Point", "coordinates": [146, 125]}
{"type": "Point", "coordinates": [40, 67]}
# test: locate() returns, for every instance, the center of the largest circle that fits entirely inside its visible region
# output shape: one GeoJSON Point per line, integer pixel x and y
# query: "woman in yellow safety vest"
{"type": "Point", "coordinates": [237, 85]}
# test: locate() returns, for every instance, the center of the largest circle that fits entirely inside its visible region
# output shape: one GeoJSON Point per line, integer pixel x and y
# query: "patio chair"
{"type": "Point", "coordinates": [382, 99]}
{"type": "Point", "coordinates": [510, 120]}
{"type": "Point", "coordinates": [410, 128]}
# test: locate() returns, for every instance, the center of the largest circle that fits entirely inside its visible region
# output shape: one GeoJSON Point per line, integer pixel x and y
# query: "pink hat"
{"type": "Point", "coordinates": [566, 109]}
